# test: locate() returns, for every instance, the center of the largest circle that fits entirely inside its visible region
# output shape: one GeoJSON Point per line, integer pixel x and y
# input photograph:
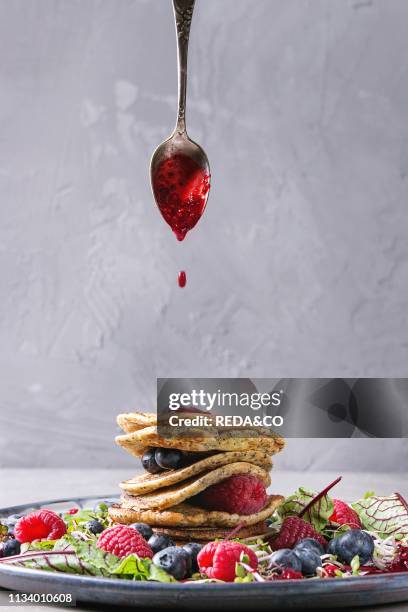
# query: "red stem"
{"type": "Point", "coordinates": [236, 529]}
{"type": "Point", "coordinates": [37, 553]}
{"type": "Point", "coordinates": [402, 500]}
{"type": "Point", "coordinates": [319, 496]}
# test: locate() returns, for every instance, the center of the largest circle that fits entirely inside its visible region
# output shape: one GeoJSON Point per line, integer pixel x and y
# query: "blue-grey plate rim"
{"type": "Point", "coordinates": [361, 591]}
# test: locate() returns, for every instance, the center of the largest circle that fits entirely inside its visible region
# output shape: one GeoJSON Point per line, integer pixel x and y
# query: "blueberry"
{"type": "Point", "coordinates": [95, 526]}
{"type": "Point", "coordinates": [287, 558]}
{"type": "Point", "coordinates": [332, 547]}
{"type": "Point", "coordinates": [145, 530]}
{"type": "Point", "coordinates": [168, 458]}
{"type": "Point", "coordinates": [175, 561]}
{"type": "Point", "coordinates": [158, 542]}
{"type": "Point", "coordinates": [11, 520]}
{"type": "Point", "coordinates": [193, 549]}
{"type": "Point", "coordinates": [354, 542]}
{"type": "Point", "coordinates": [10, 548]}
{"type": "Point", "coordinates": [149, 462]}
{"type": "Point", "coordinates": [309, 559]}
{"type": "Point", "coordinates": [310, 544]}
{"type": "Point", "coordinates": [10, 523]}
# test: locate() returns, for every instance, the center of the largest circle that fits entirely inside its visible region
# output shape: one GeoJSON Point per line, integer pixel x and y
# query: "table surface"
{"type": "Point", "coordinates": [19, 486]}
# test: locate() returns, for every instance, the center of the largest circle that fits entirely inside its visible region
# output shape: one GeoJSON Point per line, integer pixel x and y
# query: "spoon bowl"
{"type": "Point", "coordinates": [179, 168]}
{"type": "Point", "coordinates": [180, 178]}
{"type": "Point", "coordinates": [179, 143]}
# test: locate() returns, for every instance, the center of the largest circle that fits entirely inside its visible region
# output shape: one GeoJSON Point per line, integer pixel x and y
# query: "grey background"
{"type": "Point", "coordinates": [299, 266]}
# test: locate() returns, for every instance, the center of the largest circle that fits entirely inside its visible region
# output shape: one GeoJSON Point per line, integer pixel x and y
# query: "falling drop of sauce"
{"type": "Point", "coordinates": [182, 279]}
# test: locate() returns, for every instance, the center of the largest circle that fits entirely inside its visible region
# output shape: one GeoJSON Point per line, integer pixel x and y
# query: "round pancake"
{"type": "Point", "coordinates": [138, 441]}
{"type": "Point", "coordinates": [187, 515]}
{"type": "Point", "coordinates": [178, 493]}
{"type": "Point", "coordinates": [133, 421]}
{"type": "Point", "coordinates": [146, 483]}
{"type": "Point", "coordinates": [207, 534]}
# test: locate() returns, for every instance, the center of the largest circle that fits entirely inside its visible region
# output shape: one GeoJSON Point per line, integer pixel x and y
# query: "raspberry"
{"type": "Point", "coordinates": [241, 494]}
{"type": "Point", "coordinates": [218, 559]}
{"type": "Point", "coordinates": [122, 541]}
{"type": "Point", "coordinates": [294, 529]}
{"type": "Point", "coordinates": [39, 525]}
{"type": "Point", "coordinates": [344, 515]}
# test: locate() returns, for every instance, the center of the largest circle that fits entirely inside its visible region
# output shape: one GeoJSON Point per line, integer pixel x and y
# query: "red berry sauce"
{"type": "Point", "coordinates": [182, 279]}
{"type": "Point", "coordinates": [180, 187]}
{"type": "Point", "coordinates": [400, 563]}
{"type": "Point", "coordinates": [287, 573]}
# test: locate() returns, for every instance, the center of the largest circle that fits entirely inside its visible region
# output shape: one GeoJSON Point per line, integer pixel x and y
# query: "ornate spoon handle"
{"type": "Point", "coordinates": [183, 14]}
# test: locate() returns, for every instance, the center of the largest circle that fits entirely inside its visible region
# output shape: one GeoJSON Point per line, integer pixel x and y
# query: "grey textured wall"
{"type": "Point", "coordinates": [299, 266]}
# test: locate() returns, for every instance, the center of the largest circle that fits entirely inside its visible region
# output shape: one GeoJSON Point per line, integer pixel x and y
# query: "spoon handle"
{"type": "Point", "coordinates": [183, 14]}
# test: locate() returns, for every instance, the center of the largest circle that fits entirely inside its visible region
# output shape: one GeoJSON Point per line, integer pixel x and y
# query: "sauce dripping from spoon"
{"type": "Point", "coordinates": [179, 169]}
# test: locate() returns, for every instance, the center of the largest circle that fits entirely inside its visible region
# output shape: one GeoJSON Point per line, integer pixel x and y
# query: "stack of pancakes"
{"type": "Point", "coordinates": [165, 501]}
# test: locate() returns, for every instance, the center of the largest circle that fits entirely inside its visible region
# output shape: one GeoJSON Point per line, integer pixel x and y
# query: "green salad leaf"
{"type": "Point", "coordinates": [131, 566]}
{"type": "Point", "coordinates": [38, 545]}
{"type": "Point", "coordinates": [84, 557]}
{"type": "Point", "coordinates": [53, 561]}
{"type": "Point", "coordinates": [79, 520]}
{"type": "Point", "coordinates": [388, 516]}
{"type": "Point", "coordinates": [318, 514]}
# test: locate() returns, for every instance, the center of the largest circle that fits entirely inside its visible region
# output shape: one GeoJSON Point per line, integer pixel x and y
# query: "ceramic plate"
{"type": "Point", "coordinates": [296, 594]}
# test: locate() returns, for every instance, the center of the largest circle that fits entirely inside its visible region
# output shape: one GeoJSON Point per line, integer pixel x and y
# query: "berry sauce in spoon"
{"type": "Point", "coordinates": [180, 187]}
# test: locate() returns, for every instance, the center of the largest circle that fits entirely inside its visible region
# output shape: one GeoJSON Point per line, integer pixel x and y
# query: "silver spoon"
{"type": "Point", "coordinates": [179, 142]}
